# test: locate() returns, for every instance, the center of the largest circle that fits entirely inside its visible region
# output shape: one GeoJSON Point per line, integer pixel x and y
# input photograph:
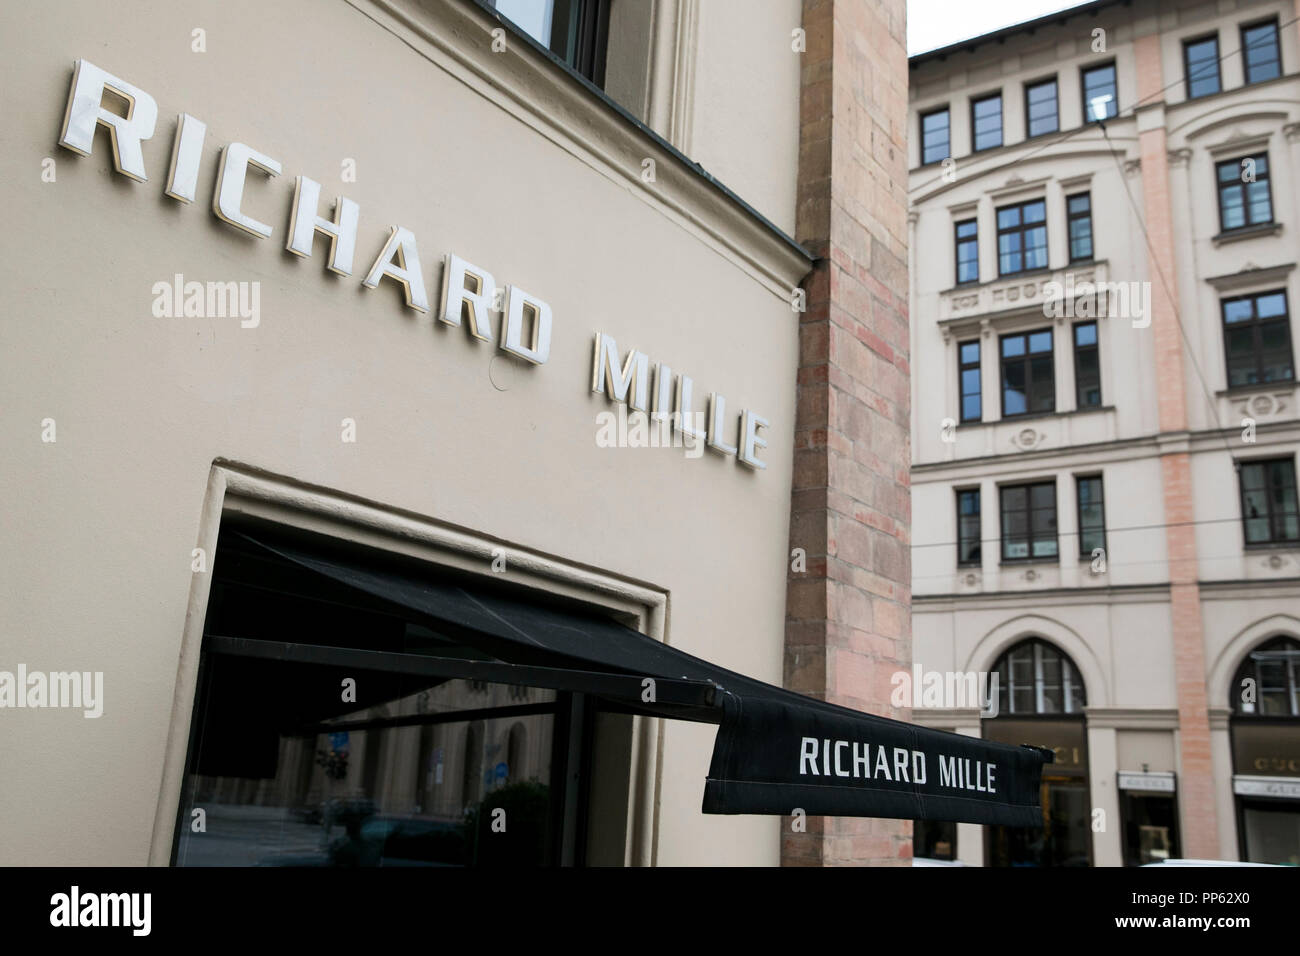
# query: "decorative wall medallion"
{"type": "Point", "coordinates": [1269, 405]}
{"type": "Point", "coordinates": [1031, 575]}
{"type": "Point", "coordinates": [1028, 438]}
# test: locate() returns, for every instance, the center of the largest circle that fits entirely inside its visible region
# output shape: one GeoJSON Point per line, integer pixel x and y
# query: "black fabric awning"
{"type": "Point", "coordinates": [776, 751]}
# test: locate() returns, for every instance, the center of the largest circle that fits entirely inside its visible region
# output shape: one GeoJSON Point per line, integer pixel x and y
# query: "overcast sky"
{"type": "Point", "coordinates": [935, 23]}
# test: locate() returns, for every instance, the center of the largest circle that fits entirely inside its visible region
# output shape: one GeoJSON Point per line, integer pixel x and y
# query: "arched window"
{"type": "Point", "coordinates": [1267, 684]}
{"type": "Point", "coordinates": [1036, 678]}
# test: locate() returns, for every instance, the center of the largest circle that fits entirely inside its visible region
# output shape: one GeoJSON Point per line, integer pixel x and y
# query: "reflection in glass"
{"type": "Point", "coordinates": [287, 777]}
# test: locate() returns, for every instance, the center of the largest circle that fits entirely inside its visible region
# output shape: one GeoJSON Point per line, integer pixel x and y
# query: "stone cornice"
{"type": "Point", "coordinates": [1035, 597]}
{"type": "Point", "coordinates": [1132, 718]}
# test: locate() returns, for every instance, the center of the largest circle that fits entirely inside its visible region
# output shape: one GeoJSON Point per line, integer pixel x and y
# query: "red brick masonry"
{"type": "Point", "coordinates": [848, 616]}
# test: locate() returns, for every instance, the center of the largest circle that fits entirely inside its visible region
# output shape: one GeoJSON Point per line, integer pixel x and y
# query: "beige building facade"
{"type": "Point", "coordinates": [1104, 245]}
{"type": "Point", "coordinates": [252, 334]}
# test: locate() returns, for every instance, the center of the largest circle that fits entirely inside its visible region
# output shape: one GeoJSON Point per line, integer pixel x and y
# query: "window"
{"type": "Point", "coordinates": [1035, 678]}
{"type": "Point", "coordinates": [1092, 516]}
{"type": "Point", "coordinates": [1274, 667]}
{"type": "Point", "coordinates": [1257, 339]}
{"type": "Point", "coordinates": [1268, 501]}
{"type": "Point", "coordinates": [968, 252]}
{"type": "Point", "coordinates": [1201, 60]}
{"type": "Point", "coordinates": [1028, 373]}
{"type": "Point", "coordinates": [1100, 94]}
{"type": "Point", "coordinates": [935, 141]}
{"type": "Point", "coordinates": [1087, 369]}
{"type": "Point", "coordinates": [986, 122]}
{"type": "Point", "coordinates": [1263, 57]}
{"type": "Point", "coordinates": [1078, 215]}
{"type": "Point", "coordinates": [968, 374]}
{"type": "Point", "coordinates": [1022, 237]}
{"type": "Point", "coordinates": [968, 527]}
{"type": "Point", "coordinates": [1245, 197]}
{"type": "Point", "coordinates": [934, 840]}
{"type": "Point", "coordinates": [1029, 521]}
{"type": "Point", "coordinates": [576, 31]}
{"type": "Point", "coordinates": [1041, 115]}
{"type": "Point", "coordinates": [294, 776]}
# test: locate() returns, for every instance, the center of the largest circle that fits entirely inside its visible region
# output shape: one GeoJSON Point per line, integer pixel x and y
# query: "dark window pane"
{"type": "Point", "coordinates": [1028, 379]}
{"type": "Point", "coordinates": [1259, 44]}
{"type": "Point", "coordinates": [987, 116]}
{"type": "Point", "coordinates": [1079, 219]}
{"type": "Point", "coordinates": [1099, 93]}
{"type": "Point", "coordinates": [1042, 110]}
{"type": "Point", "coordinates": [1259, 203]}
{"type": "Point", "coordinates": [968, 527]}
{"type": "Point", "coordinates": [1257, 339]}
{"type": "Point", "coordinates": [1252, 476]}
{"type": "Point", "coordinates": [1013, 398]}
{"type": "Point", "coordinates": [1202, 58]}
{"type": "Point", "coordinates": [1036, 248]}
{"type": "Point", "coordinates": [1042, 390]}
{"type": "Point", "coordinates": [1268, 501]}
{"type": "Point", "coordinates": [1042, 496]}
{"type": "Point", "coordinates": [1022, 237]}
{"type": "Point", "coordinates": [1232, 207]}
{"type": "Point", "coordinates": [1087, 370]}
{"type": "Point", "coordinates": [1029, 521]}
{"type": "Point", "coordinates": [935, 142]}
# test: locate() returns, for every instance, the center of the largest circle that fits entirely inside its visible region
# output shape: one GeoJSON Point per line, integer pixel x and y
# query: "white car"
{"type": "Point", "coordinates": [1206, 863]}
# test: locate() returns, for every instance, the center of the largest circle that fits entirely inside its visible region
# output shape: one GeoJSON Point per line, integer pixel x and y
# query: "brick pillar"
{"type": "Point", "coordinates": [1200, 831]}
{"type": "Point", "coordinates": [848, 616]}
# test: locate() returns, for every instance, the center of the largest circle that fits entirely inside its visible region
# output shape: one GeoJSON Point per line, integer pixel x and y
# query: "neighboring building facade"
{"type": "Point", "coordinates": [211, 361]}
{"type": "Point", "coordinates": [1104, 475]}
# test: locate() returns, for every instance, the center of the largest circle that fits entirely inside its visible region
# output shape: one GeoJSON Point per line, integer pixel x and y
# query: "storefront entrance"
{"type": "Point", "coordinates": [1066, 837]}
{"type": "Point", "coordinates": [1266, 752]}
{"type": "Point", "coordinates": [357, 707]}
{"type": "Point", "coordinates": [1041, 701]}
{"type": "Point", "coordinates": [323, 734]}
